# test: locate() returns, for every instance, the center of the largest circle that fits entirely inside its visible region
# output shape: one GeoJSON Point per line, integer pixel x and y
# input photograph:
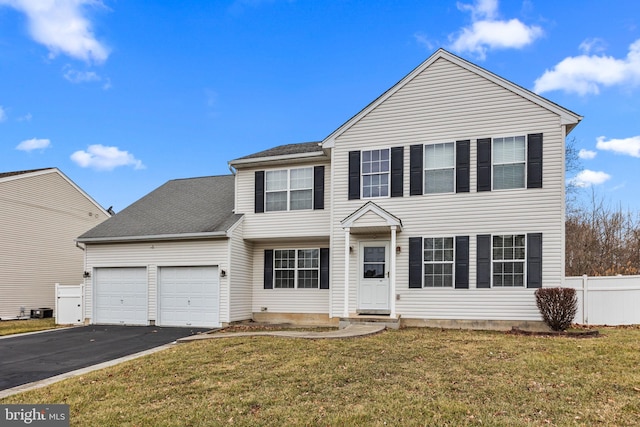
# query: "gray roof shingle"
{"type": "Point", "coordinates": [6, 174]}
{"type": "Point", "coordinates": [180, 206]}
{"type": "Point", "coordinates": [282, 150]}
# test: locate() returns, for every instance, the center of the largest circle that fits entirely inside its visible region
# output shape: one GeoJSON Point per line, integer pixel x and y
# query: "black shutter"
{"type": "Point", "coordinates": [415, 170]}
{"type": "Point", "coordinates": [483, 276]}
{"type": "Point", "coordinates": [484, 164]}
{"type": "Point", "coordinates": [268, 268]}
{"type": "Point", "coordinates": [324, 268]}
{"type": "Point", "coordinates": [415, 262]}
{"type": "Point", "coordinates": [462, 166]}
{"type": "Point", "coordinates": [462, 262]}
{"type": "Point", "coordinates": [354, 175]}
{"type": "Point", "coordinates": [397, 171]}
{"type": "Point", "coordinates": [259, 192]}
{"type": "Point", "coordinates": [534, 160]}
{"type": "Point", "coordinates": [318, 187]}
{"type": "Point", "coordinates": [534, 260]}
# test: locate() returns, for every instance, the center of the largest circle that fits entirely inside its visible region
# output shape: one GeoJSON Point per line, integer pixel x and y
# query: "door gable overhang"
{"type": "Point", "coordinates": [371, 218]}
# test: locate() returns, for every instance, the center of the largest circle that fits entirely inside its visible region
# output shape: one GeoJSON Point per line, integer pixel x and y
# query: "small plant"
{"type": "Point", "coordinates": [558, 306]}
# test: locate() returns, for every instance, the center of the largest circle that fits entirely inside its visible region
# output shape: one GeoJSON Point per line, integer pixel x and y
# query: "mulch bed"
{"type": "Point", "coordinates": [568, 334]}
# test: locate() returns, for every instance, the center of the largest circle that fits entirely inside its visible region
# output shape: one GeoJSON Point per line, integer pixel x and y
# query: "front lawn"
{"type": "Point", "coordinates": [10, 327]}
{"type": "Point", "coordinates": [407, 377]}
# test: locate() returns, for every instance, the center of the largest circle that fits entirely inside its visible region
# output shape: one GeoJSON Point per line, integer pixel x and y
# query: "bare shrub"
{"type": "Point", "coordinates": [558, 306]}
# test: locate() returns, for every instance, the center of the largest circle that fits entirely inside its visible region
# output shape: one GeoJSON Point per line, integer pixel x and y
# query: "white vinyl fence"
{"type": "Point", "coordinates": [69, 304]}
{"type": "Point", "coordinates": [611, 300]}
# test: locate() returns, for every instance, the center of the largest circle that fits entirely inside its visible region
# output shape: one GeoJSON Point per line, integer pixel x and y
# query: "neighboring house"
{"type": "Point", "coordinates": [441, 202]}
{"type": "Point", "coordinates": [42, 213]}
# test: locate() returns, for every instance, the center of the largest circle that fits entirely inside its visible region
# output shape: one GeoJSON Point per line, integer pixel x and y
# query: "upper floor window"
{"type": "Point", "coordinates": [508, 260]}
{"type": "Point", "coordinates": [439, 168]}
{"type": "Point", "coordinates": [509, 162]}
{"type": "Point", "coordinates": [289, 189]}
{"type": "Point", "coordinates": [376, 166]}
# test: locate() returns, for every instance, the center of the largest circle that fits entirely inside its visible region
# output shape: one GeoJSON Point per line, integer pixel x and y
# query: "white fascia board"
{"type": "Point", "coordinates": [370, 206]}
{"type": "Point", "coordinates": [182, 236]}
{"type": "Point", "coordinates": [283, 158]}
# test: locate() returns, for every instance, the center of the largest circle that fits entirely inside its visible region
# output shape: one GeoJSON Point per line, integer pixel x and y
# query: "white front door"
{"type": "Point", "coordinates": [374, 290]}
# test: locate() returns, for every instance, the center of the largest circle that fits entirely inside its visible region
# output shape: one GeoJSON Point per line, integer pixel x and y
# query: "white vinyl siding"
{"type": "Point", "coordinates": [439, 170]}
{"type": "Point", "coordinates": [448, 103]}
{"type": "Point", "coordinates": [307, 223]}
{"type": "Point", "coordinates": [153, 255]}
{"type": "Point", "coordinates": [239, 276]}
{"type": "Point", "coordinates": [313, 300]}
{"type": "Point", "coordinates": [42, 213]}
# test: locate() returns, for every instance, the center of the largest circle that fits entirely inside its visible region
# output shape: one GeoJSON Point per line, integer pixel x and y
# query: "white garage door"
{"type": "Point", "coordinates": [188, 296]}
{"type": "Point", "coordinates": [121, 296]}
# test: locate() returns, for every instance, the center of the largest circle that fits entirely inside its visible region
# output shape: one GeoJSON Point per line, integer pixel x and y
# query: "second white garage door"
{"type": "Point", "coordinates": [188, 296]}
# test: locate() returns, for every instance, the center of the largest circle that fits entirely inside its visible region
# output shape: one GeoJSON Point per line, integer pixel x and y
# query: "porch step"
{"type": "Point", "coordinates": [366, 319]}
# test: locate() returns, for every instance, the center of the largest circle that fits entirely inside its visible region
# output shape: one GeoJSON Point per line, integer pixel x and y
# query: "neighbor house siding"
{"type": "Point", "coordinates": [152, 255]}
{"type": "Point", "coordinates": [240, 275]}
{"type": "Point", "coordinates": [42, 213]}
{"type": "Point", "coordinates": [286, 300]}
{"type": "Point", "coordinates": [281, 224]}
{"type": "Point", "coordinates": [447, 103]}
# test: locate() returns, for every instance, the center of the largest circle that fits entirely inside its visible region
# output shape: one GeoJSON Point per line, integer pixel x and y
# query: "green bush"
{"type": "Point", "coordinates": [558, 306]}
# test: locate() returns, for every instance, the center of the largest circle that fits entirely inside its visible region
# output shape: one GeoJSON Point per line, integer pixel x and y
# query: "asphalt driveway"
{"type": "Point", "coordinates": [34, 357]}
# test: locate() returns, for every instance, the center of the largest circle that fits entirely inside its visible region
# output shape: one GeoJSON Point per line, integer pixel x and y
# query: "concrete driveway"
{"type": "Point", "coordinates": [34, 357]}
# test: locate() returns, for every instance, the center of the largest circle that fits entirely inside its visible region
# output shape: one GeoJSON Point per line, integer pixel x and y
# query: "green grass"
{"type": "Point", "coordinates": [400, 378]}
{"type": "Point", "coordinates": [10, 327]}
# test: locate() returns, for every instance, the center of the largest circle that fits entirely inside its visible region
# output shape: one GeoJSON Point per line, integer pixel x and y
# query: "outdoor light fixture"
{"type": "Point", "coordinates": [86, 274]}
{"type": "Point", "coordinates": [223, 273]}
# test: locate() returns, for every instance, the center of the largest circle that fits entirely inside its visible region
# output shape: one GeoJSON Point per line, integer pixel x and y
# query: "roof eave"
{"type": "Point", "coordinates": [285, 158]}
{"type": "Point", "coordinates": [156, 237]}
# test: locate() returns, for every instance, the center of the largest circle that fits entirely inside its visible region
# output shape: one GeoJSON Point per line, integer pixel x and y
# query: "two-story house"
{"type": "Point", "coordinates": [440, 203]}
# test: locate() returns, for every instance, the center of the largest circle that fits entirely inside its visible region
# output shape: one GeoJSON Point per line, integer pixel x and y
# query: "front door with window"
{"type": "Point", "coordinates": [374, 289]}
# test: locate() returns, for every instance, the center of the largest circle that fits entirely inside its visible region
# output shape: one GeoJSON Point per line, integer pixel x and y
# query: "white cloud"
{"type": "Point", "coordinates": [424, 40]}
{"type": "Point", "coordinates": [587, 178]}
{"type": "Point", "coordinates": [62, 26]}
{"type": "Point", "coordinates": [26, 118]}
{"type": "Point", "coordinates": [487, 32]}
{"type": "Point", "coordinates": [592, 45]}
{"type": "Point", "coordinates": [627, 146]}
{"type": "Point", "coordinates": [101, 157]}
{"type": "Point", "coordinates": [33, 144]}
{"type": "Point", "coordinates": [587, 154]}
{"type": "Point", "coordinates": [3, 114]}
{"type": "Point", "coordinates": [586, 74]}
{"type": "Point", "coordinates": [75, 76]}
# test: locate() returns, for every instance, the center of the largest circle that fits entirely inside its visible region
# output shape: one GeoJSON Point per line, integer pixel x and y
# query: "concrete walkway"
{"type": "Point", "coordinates": [348, 332]}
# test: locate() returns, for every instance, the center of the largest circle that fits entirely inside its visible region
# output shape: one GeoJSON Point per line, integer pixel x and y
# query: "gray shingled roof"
{"type": "Point", "coordinates": [6, 174]}
{"type": "Point", "coordinates": [282, 150]}
{"type": "Point", "coordinates": [181, 206]}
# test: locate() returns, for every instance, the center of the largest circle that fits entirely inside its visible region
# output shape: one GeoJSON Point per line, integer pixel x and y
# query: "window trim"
{"type": "Point", "coordinates": [524, 261]}
{"type": "Point", "coordinates": [288, 190]}
{"type": "Point", "coordinates": [425, 169]}
{"type": "Point", "coordinates": [524, 162]}
{"type": "Point", "coordinates": [362, 174]}
{"type": "Point", "coordinates": [296, 269]}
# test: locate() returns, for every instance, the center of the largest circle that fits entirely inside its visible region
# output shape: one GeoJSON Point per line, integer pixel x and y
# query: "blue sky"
{"type": "Point", "coordinates": [125, 95]}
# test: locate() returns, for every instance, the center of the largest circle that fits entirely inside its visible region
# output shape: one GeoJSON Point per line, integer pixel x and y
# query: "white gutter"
{"type": "Point", "coordinates": [181, 236]}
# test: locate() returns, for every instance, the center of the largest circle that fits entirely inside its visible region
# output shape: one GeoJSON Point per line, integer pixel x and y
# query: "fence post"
{"type": "Point", "coordinates": [585, 299]}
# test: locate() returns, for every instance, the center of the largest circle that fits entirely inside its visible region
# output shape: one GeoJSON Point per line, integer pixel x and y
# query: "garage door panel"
{"type": "Point", "coordinates": [188, 296]}
{"type": "Point", "coordinates": [121, 296]}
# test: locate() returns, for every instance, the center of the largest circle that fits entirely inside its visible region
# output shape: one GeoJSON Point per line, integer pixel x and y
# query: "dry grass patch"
{"type": "Point", "coordinates": [10, 327]}
{"type": "Point", "coordinates": [406, 377]}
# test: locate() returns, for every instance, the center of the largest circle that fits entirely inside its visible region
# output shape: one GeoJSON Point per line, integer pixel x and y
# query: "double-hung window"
{"type": "Point", "coordinates": [296, 268]}
{"type": "Point", "coordinates": [289, 189]}
{"type": "Point", "coordinates": [376, 166]}
{"type": "Point", "coordinates": [439, 168]}
{"type": "Point", "coordinates": [509, 260]}
{"type": "Point", "coordinates": [438, 262]}
{"type": "Point", "coordinates": [509, 162]}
